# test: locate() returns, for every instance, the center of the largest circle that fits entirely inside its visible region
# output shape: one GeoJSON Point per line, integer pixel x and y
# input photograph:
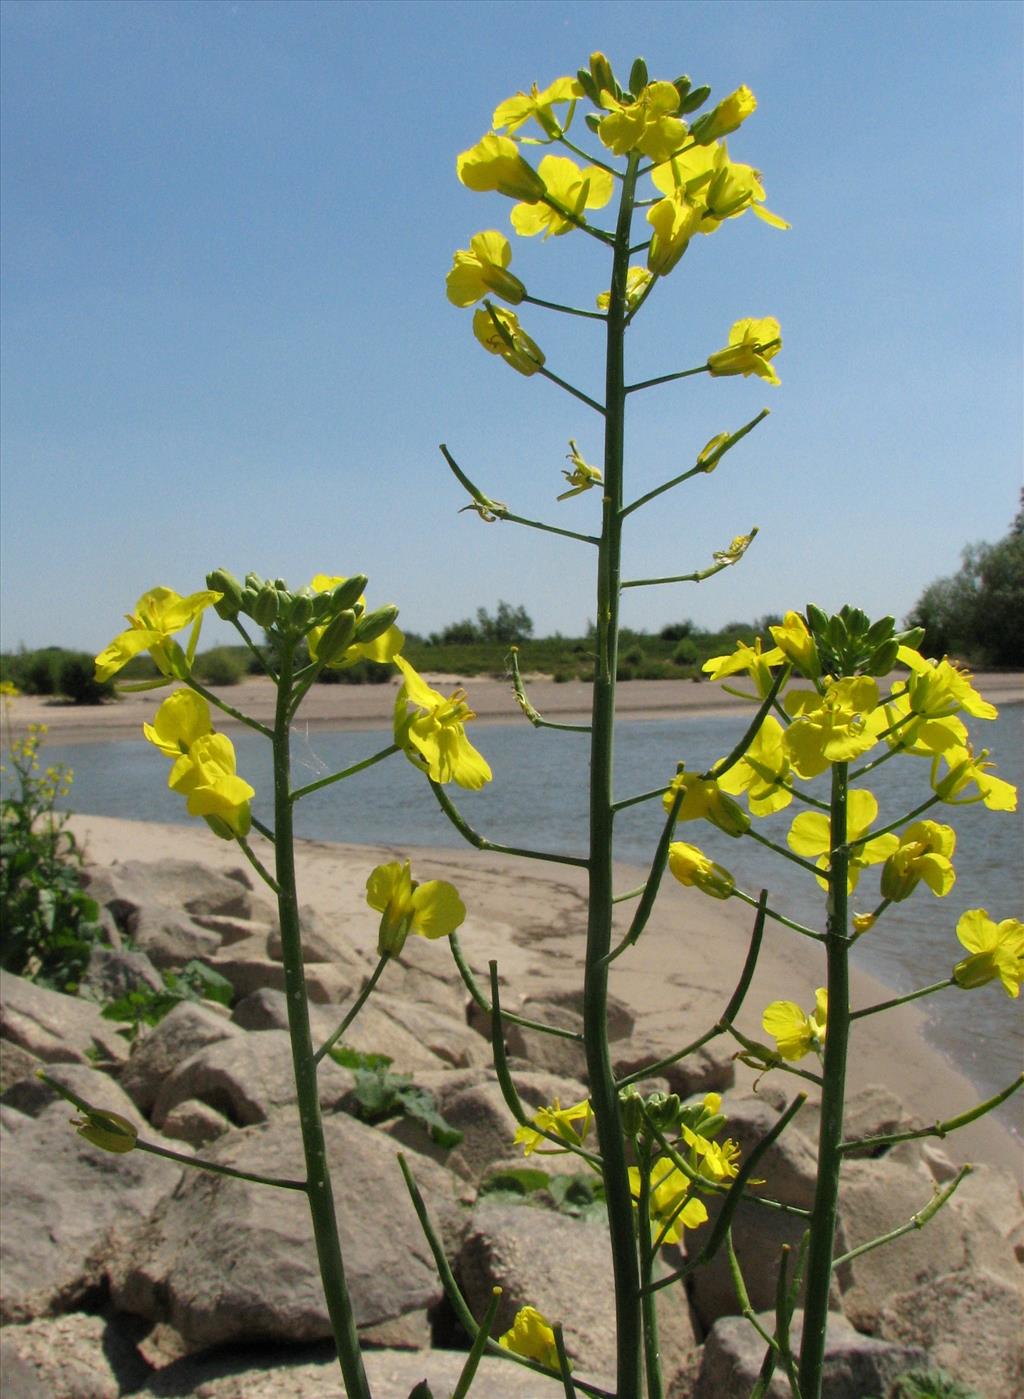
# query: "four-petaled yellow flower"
{"type": "Point", "coordinates": [671, 1209]}
{"type": "Point", "coordinates": [704, 800]}
{"type": "Point", "coordinates": [559, 1121]}
{"type": "Point", "coordinates": [381, 649]}
{"type": "Point", "coordinates": [997, 950]}
{"type": "Point", "coordinates": [158, 615]}
{"type": "Point", "coordinates": [696, 870]}
{"type": "Point", "coordinates": [795, 1033]}
{"type": "Point", "coordinates": [507, 339]}
{"type": "Point", "coordinates": [204, 766]}
{"type": "Point", "coordinates": [183, 718]}
{"type": "Point", "coordinates": [494, 163]}
{"type": "Point", "coordinates": [940, 688]}
{"type": "Point", "coordinates": [674, 220]}
{"type": "Point", "coordinates": [833, 727]}
{"type": "Point", "coordinates": [752, 343]}
{"type": "Point", "coordinates": [797, 645]}
{"type": "Point", "coordinates": [582, 476]}
{"type": "Point", "coordinates": [532, 1337]}
{"type": "Point", "coordinates": [924, 853]}
{"type": "Point", "coordinates": [431, 910]}
{"type": "Point", "coordinates": [431, 730]}
{"type": "Point", "coordinates": [964, 771]}
{"type": "Point", "coordinates": [482, 268]}
{"type": "Point", "coordinates": [763, 772]}
{"type": "Point", "coordinates": [916, 733]}
{"type": "Point", "coordinates": [750, 659]}
{"type": "Point", "coordinates": [810, 836]}
{"type": "Point", "coordinates": [569, 187]}
{"type": "Point", "coordinates": [517, 111]}
{"type": "Point", "coordinates": [646, 125]}
{"type": "Point", "coordinates": [638, 279]}
{"type": "Point", "coordinates": [720, 187]}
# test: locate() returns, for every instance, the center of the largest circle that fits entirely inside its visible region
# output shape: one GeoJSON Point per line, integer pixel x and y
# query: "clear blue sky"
{"type": "Point", "coordinates": [226, 340]}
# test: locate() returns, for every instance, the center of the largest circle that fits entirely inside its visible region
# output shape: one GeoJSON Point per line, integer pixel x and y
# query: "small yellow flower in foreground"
{"type": "Point", "coordinates": [646, 125]}
{"type": "Point", "coordinates": [674, 220]}
{"type": "Point", "coordinates": [158, 615]}
{"type": "Point", "coordinates": [795, 1033]}
{"type": "Point", "coordinates": [638, 279]}
{"type": "Point", "coordinates": [763, 772]}
{"type": "Point", "coordinates": [482, 268]}
{"type": "Point", "coordinates": [752, 343]}
{"type": "Point", "coordinates": [721, 187]}
{"type": "Point", "coordinates": [917, 734]}
{"type": "Point", "coordinates": [940, 688]}
{"type": "Point", "coordinates": [730, 113]}
{"type": "Point", "coordinates": [8, 689]}
{"type": "Point", "coordinates": [703, 799]}
{"type": "Point", "coordinates": [668, 1200]}
{"type": "Point", "coordinates": [924, 853]}
{"type": "Point", "coordinates": [693, 868]}
{"type": "Point", "coordinates": [432, 910]}
{"type": "Point", "coordinates": [515, 347]}
{"type": "Point", "coordinates": [183, 718]}
{"type": "Point", "coordinates": [495, 163]}
{"type": "Point", "coordinates": [965, 770]}
{"type": "Point", "coordinates": [431, 730]}
{"type": "Point", "coordinates": [532, 1337]}
{"type": "Point", "coordinates": [810, 836]}
{"type": "Point", "coordinates": [381, 649]}
{"type": "Point", "coordinates": [517, 111]}
{"type": "Point", "coordinates": [206, 777]}
{"type": "Point", "coordinates": [834, 727]}
{"type": "Point", "coordinates": [582, 476]}
{"type": "Point", "coordinates": [570, 186]}
{"type": "Point", "coordinates": [997, 950]}
{"type": "Point", "coordinates": [797, 645]}
{"type": "Point", "coordinates": [750, 659]}
{"type": "Point", "coordinates": [558, 1120]}
{"type": "Point", "coordinates": [108, 1130]}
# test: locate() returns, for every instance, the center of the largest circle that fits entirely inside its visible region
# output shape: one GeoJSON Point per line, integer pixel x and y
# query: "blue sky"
{"type": "Point", "coordinates": [226, 228]}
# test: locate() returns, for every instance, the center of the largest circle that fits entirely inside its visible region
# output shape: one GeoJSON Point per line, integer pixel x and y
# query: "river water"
{"type": "Point", "coordinates": [538, 800]}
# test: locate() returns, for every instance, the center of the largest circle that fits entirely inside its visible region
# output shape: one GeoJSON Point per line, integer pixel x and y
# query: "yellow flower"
{"type": "Point", "coordinates": [561, 1121]}
{"type": "Point", "coordinates": [645, 125]}
{"type": "Point", "coordinates": [381, 649]}
{"type": "Point", "coordinates": [940, 688]}
{"type": "Point", "coordinates": [795, 1033]}
{"type": "Point", "coordinates": [810, 835]}
{"type": "Point", "coordinates": [752, 343]}
{"type": "Point", "coordinates": [669, 1205]}
{"type": "Point", "coordinates": [582, 476]}
{"type": "Point", "coordinates": [495, 163]}
{"type": "Point", "coordinates": [517, 111]}
{"type": "Point", "coordinates": [8, 689]}
{"type": "Point", "coordinates": [797, 645]}
{"type": "Point", "coordinates": [183, 718]}
{"type": "Point", "coordinates": [997, 950]}
{"type": "Point", "coordinates": [431, 730]}
{"type": "Point", "coordinates": [431, 910]}
{"type": "Point", "coordinates": [514, 346]}
{"type": "Point", "coordinates": [703, 799]}
{"type": "Point", "coordinates": [532, 1337]}
{"type": "Point", "coordinates": [206, 776]}
{"type": "Point", "coordinates": [638, 279]}
{"type": "Point", "coordinates": [730, 113]}
{"type": "Point", "coordinates": [763, 772]}
{"type": "Point", "coordinates": [750, 659]}
{"type": "Point", "coordinates": [965, 770]}
{"type": "Point", "coordinates": [674, 220]}
{"type": "Point", "coordinates": [158, 615]}
{"type": "Point", "coordinates": [924, 853]}
{"type": "Point", "coordinates": [723, 188]}
{"type": "Point", "coordinates": [482, 269]}
{"type": "Point", "coordinates": [570, 187]}
{"type": "Point", "coordinates": [917, 734]}
{"type": "Point", "coordinates": [834, 727]}
{"type": "Point", "coordinates": [694, 869]}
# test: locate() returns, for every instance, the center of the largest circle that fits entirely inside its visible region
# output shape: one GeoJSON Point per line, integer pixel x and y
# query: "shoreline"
{"type": "Point", "coordinates": [353, 707]}
{"type": "Point", "coordinates": [676, 979]}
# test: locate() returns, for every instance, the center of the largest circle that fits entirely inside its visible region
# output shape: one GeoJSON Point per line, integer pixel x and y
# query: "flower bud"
{"type": "Point", "coordinates": [265, 608]}
{"type": "Point", "coordinates": [601, 72]}
{"type": "Point", "coordinates": [348, 593]}
{"type": "Point", "coordinates": [730, 113]}
{"type": "Point", "coordinates": [108, 1130]}
{"type": "Point", "coordinates": [337, 637]}
{"type": "Point", "coordinates": [376, 623]}
{"type": "Point", "coordinates": [254, 582]}
{"type": "Point", "coordinates": [300, 614]}
{"type": "Point", "coordinates": [663, 1109]}
{"type": "Point", "coordinates": [225, 583]}
{"type": "Point", "coordinates": [883, 658]}
{"type": "Point", "coordinates": [631, 1105]}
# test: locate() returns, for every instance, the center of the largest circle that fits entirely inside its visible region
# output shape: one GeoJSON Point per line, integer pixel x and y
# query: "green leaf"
{"type": "Point", "coordinates": [419, 1104]}
{"type": "Point", "coordinates": [519, 1180]}
{"type": "Point", "coordinates": [356, 1059]}
{"type": "Point", "coordinates": [207, 983]}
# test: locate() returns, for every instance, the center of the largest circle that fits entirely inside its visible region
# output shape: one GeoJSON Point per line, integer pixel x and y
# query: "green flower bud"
{"type": "Point", "coordinates": [631, 1105]}
{"type": "Point", "coordinates": [638, 77]}
{"type": "Point", "coordinates": [108, 1130]}
{"type": "Point", "coordinates": [375, 624]}
{"type": "Point", "coordinates": [883, 658]}
{"type": "Point", "coordinates": [663, 1110]}
{"type": "Point", "coordinates": [265, 608]}
{"type": "Point", "coordinates": [347, 594]}
{"type": "Point", "coordinates": [254, 582]}
{"type": "Point", "coordinates": [604, 78]}
{"type": "Point", "coordinates": [300, 614]}
{"type": "Point", "coordinates": [693, 100]}
{"type": "Point", "coordinates": [221, 581]}
{"type": "Point", "coordinates": [337, 638]}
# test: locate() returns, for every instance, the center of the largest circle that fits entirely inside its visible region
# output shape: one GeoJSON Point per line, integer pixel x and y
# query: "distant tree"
{"type": "Point", "coordinates": [979, 611]}
{"type": "Point", "coordinates": [509, 624]}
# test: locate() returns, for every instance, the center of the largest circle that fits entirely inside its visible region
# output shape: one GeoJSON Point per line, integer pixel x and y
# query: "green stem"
{"type": "Point", "coordinates": [666, 379]}
{"type": "Point", "coordinates": [469, 980]}
{"type": "Point", "coordinates": [568, 310]}
{"type": "Point", "coordinates": [786, 854]}
{"type": "Point", "coordinates": [702, 470]}
{"type": "Point", "coordinates": [319, 1191]}
{"type": "Point", "coordinates": [939, 1129]}
{"type": "Point", "coordinates": [916, 1221]}
{"type": "Point", "coordinates": [830, 1136]}
{"type": "Point", "coordinates": [532, 714]}
{"type": "Point", "coordinates": [257, 864]}
{"type": "Point", "coordinates": [300, 792]}
{"type": "Point", "coordinates": [213, 1168]}
{"type": "Point", "coordinates": [569, 388]}
{"type": "Point", "coordinates": [226, 708]}
{"type": "Point", "coordinates": [902, 1000]}
{"type": "Point", "coordinates": [697, 577]}
{"type": "Point", "coordinates": [779, 917]}
{"type": "Point", "coordinates": [482, 843]}
{"type": "Point", "coordinates": [478, 1347]}
{"type": "Point", "coordinates": [264, 665]}
{"type": "Point", "coordinates": [649, 1302]}
{"type": "Point", "coordinates": [603, 1089]}
{"type": "Point", "coordinates": [548, 529]}
{"type": "Point", "coordinates": [354, 1009]}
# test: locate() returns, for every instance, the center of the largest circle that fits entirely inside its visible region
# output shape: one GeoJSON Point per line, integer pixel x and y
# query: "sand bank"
{"type": "Point", "coordinates": [530, 917]}
{"type": "Point", "coordinates": [370, 706]}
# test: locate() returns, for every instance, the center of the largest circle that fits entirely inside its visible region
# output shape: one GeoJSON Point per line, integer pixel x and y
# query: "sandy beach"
{"type": "Point", "coordinates": [370, 706]}
{"type": "Point", "coordinates": [677, 979]}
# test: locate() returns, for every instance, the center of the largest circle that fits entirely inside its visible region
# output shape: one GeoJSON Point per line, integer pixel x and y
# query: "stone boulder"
{"type": "Point", "coordinates": [233, 1261]}
{"type": "Point", "coordinates": [709, 1069]}
{"type": "Point", "coordinates": [155, 1055]}
{"type": "Point", "coordinates": [54, 1027]}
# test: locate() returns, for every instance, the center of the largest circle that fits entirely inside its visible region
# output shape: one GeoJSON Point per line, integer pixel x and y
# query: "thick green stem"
{"type": "Point", "coordinates": [318, 1179]}
{"type": "Point", "coordinates": [649, 1302]}
{"type": "Point", "coordinates": [603, 1089]}
{"type": "Point", "coordinates": [830, 1136]}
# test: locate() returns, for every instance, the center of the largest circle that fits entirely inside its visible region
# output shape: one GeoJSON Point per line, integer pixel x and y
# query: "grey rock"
{"type": "Point", "coordinates": [54, 1027]}
{"type": "Point", "coordinates": [971, 1323]}
{"type": "Point", "coordinates": [112, 974]}
{"type": "Point", "coordinates": [170, 938]}
{"type": "Point", "coordinates": [195, 1122]}
{"type": "Point", "coordinates": [76, 1356]}
{"type": "Point", "coordinates": [224, 1261]}
{"type": "Point", "coordinates": [16, 1063]}
{"type": "Point", "coordinates": [186, 884]}
{"type": "Point", "coordinates": [855, 1365]}
{"type": "Point", "coordinates": [186, 1029]}
{"type": "Point", "coordinates": [480, 1113]}
{"type": "Point", "coordinates": [63, 1199]}
{"type": "Point", "coordinates": [709, 1069]}
{"type": "Point", "coordinates": [871, 1112]}
{"type": "Point", "coordinates": [551, 1053]}
{"type": "Point", "coordinates": [447, 1037]}
{"type": "Point", "coordinates": [246, 1078]}
{"type": "Point", "coordinates": [621, 1020]}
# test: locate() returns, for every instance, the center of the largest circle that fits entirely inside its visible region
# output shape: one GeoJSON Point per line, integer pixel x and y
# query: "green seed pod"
{"type": "Point", "coordinates": [663, 1110]}
{"type": "Point", "coordinates": [375, 624]}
